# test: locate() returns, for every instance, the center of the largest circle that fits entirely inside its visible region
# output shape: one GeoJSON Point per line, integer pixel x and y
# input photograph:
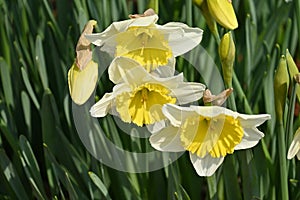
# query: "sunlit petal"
{"type": "Point", "coordinates": [207, 165]}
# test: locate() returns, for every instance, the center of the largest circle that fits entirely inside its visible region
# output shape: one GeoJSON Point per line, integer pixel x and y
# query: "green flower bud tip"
{"type": "Point", "coordinates": [293, 71]}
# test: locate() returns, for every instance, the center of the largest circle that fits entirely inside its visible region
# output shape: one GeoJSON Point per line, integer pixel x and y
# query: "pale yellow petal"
{"type": "Point", "coordinates": [82, 82]}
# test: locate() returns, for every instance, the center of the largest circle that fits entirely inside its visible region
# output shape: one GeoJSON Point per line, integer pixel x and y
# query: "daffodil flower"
{"type": "Point", "coordinates": [209, 133]}
{"type": "Point", "coordinates": [148, 43]}
{"type": "Point", "coordinates": [140, 96]}
{"type": "Point", "coordinates": [295, 146]}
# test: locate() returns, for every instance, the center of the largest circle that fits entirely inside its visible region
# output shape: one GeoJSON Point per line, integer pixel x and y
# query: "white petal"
{"type": "Point", "coordinates": [115, 28]}
{"type": "Point", "coordinates": [135, 76]}
{"type": "Point", "coordinates": [188, 92]}
{"type": "Point", "coordinates": [205, 166]}
{"type": "Point", "coordinates": [169, 82]}
{"type": "Point", "coordinates": [298, 155]}
{"type": "Point", "coordinates": [105, 104]}
{"type": "Point", "coordinates": [138, 75]}
{"type": "Point", "coordinates": [177, 114]}
{"type": "Point", "coordinates": [165, 71]}
{"type": "Point", "coordinates": [99, 39]}
{"type": "Point", "coordinates": [157, 126]}
{"type": "Point", "coordinates": [295, 146]}
{"type": "Point", "coordinates": [144, 21]}
{"type": "Point", "coordinates": [250, 138]}
{"type": "Point", "coordinates": [119, 68]}
{"type": "Point", "coordinates": [184, 40]}
{"type": "Point", "coordinates": [253, 120]}
{"type": "Point", "coordinates": [168, 139]}
{"type": "Point", "coordinates": [101, 108]}
{"type": "Point", "coordinates": [212, 111]}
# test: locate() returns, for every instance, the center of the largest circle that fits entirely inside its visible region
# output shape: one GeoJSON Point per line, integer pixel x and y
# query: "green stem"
{"type": "Point", "coordinates": [231, 100]}
{"type": "Point", "coordinates": [241, 94]}
{"type": "Point", "coordinates": [282, 161]}
{"type": "Point", "coordinates": [154, 5]}
{"type": "Point", "coordinates": [290, 116]}
{"type": "Point", "coordinates": [232, 187]}
{"type": "Point", "coordinates": [212, 187]}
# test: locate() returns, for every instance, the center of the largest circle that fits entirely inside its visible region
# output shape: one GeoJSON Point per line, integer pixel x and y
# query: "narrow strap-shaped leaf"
{"type": "Point", "coordinates": [99, 184]}
{"type": "Point", "coordinates": [6, 82]}
{"type": "Point", "coordinates": [11, 176]}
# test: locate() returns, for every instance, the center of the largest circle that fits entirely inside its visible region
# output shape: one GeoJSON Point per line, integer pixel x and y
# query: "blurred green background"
{"type": "Point", "coordinates": [41, 155]}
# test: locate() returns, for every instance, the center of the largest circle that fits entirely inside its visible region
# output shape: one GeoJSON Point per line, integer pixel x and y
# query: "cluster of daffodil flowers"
{"type": "Point", "coordinates": [147, 91]}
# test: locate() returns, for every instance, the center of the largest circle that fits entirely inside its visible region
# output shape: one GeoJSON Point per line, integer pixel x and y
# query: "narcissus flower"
{"type": "Point", "coordinates": [295, 146]}
{"type": "Point", "coordinates": [151, 45]}
{"type": "Point", "coordinates": [209, 133]}
{"type": "Point", "coordinates": [140, 96]}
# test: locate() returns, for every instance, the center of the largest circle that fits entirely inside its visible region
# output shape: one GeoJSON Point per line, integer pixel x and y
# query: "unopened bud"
{"type": "Point", "coordinates": [281, 85]}
{"type": "Point", "coordinates": [223, 13]}
{"type": "Point", "coordinates": [293, 71]}
{"type": "Point", "coordinates": [227, 56]}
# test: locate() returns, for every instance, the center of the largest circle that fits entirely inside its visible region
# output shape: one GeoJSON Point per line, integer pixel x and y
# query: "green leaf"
{"type": "Point", "coordinates": [231, 179]}
{"type": "Point", "coordinates": [184, 195]}
{"type": "Point", "coordinates": [29, 88]}
{"type": "Point", "coordinates": [6, 82]}
{"type": "Point", "coordinates": [26, 110]}
{"type": "Point", "coordinates": [11, 176]}
{"type": "Point", "coordinates": [50, 122]}
{"type": "Point", "coordinates": [30, 163]}
{"type": "Point", "coordinates": [40, 61]}
{"type": "Point", "coordinates": [9, 137]}
{"type": "Point", "coordinates": [61, 174]}
{"type": "Point", "coordinates": [99, 184]}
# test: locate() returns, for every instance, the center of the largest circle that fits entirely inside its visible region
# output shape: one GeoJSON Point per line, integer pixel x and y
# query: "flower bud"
{"type": "Point", "coordinates": [293, 71]}
{"type": "Point", "coordinates": [227, 55]}
{"type": "Point", "coordinates": [223, 13]}
{"type": "Point", "coordinates": [281, 85]}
